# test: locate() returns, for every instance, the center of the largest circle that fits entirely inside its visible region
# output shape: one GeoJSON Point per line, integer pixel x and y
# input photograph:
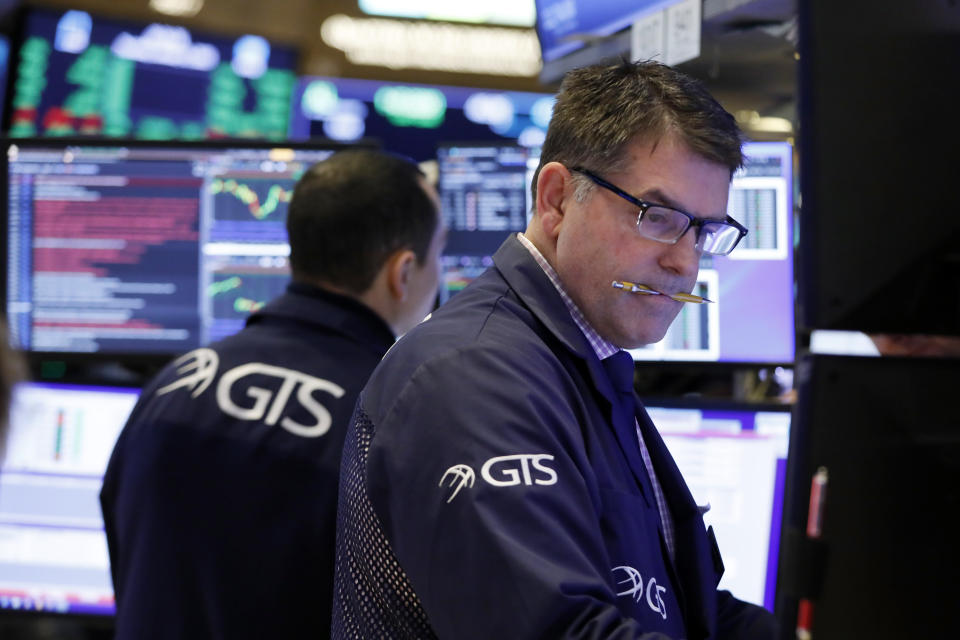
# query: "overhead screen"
{"type": "Point", "coordinates": [485, 194]}
{"type": "Point", "coordinates": [83, 75]}
{"type": "Point", "coordinates": [517, 13]}
{"type": "Point", "coordinates": [143, 248]}
{"type": "Point", "coordinates": [413, 119]}
{"type": "Point", "coordinates": [564, 26]}
{"type": "Point", "coordinates": [734, 459]}
{"type": "Point", "coordinates": [4, 70]}
{"type": "Point", "coordinates": [53, 551]}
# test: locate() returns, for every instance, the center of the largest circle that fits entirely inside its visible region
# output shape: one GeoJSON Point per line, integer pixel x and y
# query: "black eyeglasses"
{"type": "Point", "coordinates": [666, 224]}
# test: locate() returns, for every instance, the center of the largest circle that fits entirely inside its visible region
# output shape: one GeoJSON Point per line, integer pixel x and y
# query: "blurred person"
{"type": "Point", "coordinates": [500, 477]}
{"type": "Point", "coordinates": [219, 498]}
{"type": "Point", "coordinates": [12, 370]}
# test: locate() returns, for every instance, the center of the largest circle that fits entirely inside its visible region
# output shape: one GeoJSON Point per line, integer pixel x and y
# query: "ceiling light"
{"type": "Point", "coordinates": [753, 121]}
{"type": "Point", "coordinates": [181, 8]}
{"type": "Point", "coordinates": [401, 44]}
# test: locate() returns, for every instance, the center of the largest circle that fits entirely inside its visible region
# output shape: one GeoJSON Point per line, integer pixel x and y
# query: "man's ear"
{"type": "Point", "coordinates": [552, 183]}
{"type": "Point", "coordinates": [399, 271]}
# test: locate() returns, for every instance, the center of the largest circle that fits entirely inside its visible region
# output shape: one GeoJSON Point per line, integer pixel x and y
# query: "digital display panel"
{"type": "Point", "coordinates": [4, 66]}
{"type": "Point", "coordinates": [735, 461]}
{"type": "Point", "coordinates": [144, 248]}
{"type": "Point", "coordinates": [53, 550]}
{"type": "Point", "coordinates": [413, 119]}
{"type": "Point", "coordinates": [564, 26]}
{"type": "Point", "coordinates": [79, 75]}
{"type": "Point", "coordinates": [751, 318]}
{"type": "Point", "coordinates": [485, 196]}
{"type": "Point", "coordinates": [517, 13]}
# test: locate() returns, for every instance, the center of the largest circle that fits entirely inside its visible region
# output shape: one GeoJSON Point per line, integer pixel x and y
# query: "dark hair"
{"type": "Point", "coordinates": [600, 109]}
{"type": "Point", "coordinates": [350, 212]}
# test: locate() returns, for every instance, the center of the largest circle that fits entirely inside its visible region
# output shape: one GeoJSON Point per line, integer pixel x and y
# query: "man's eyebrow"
{"type": "Point", "coordinates": [656, 196]}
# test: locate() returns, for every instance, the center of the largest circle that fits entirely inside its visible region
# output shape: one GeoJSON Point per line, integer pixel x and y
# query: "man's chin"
{"type": "Point", "coordinates": [638, 341]}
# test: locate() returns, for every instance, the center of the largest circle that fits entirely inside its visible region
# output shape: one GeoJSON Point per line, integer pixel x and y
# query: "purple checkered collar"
{"type": "Point", "coordinates": [603, 348]}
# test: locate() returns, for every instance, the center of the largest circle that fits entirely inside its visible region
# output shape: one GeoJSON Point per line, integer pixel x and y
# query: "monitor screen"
{"type": "Point", "coordinates": [564, 26]}
{"type": "Point", "coordinates": [413, 119]}
{"type": "Point", "coordinates": [751, 318]}
{"type": "Point", "coordinates": [735, 461]}
{"type": "Point", "coordinates": [516, 13]}
{"type": "Point", "coordinates": [144, 248]}
{"type": "Point", "coordinates": [4, 67]}
{"type": "Point", "coordinates": [83, 75]}
{"type": "Point", "coordinates": [880, 229]}
{"type": "Point", "coordinates": [485, 196]}
{"type": "Point", "coordinates": [53, 551]}
{"type": "Point", "coordinates": [880, 437]}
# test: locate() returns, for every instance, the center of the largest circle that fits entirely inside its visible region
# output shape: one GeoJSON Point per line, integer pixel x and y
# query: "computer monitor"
{"type": "Point", "coordinates": [485, 195]}
{"type": "Point", "coordinates": [79, 74]}
{"type": "Point", "coordinates": [565, 26]}
{"type": "Point", "coordinates": [751, 318]}
{"type": "Point", "coordinates": [4, 70]}
{"type": "Point", "coordinates": [413, 119]}
{"type": "Point", "coordinates": [734, 459]}
{"type": "Point", "coordinates": [53, 550]}
{"type": "Point", "coordinates": [885, 432]}
{"type": "Point", "coordinates": [880, 229]}
{"type": "Point", "coordinates": [515, 13]}
{"type": "Point", "coordinates": [135, 248]}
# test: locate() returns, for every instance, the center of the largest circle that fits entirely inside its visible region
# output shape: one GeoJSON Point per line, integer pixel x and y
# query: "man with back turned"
{"type": "Point", "coordinates": [500, 477]}
{"type": "Point", "coordinates": [219, 500]}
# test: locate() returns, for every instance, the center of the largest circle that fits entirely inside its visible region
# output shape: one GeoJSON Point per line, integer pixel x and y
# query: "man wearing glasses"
{"type": "Point", "coordinates": [500, 478]}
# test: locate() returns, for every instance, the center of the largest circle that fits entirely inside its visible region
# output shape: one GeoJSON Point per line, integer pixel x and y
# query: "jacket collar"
{"type": "Point", "coordinates": [323, 310]}
{"type": "Point", "coordinates": [534, 288]}
{"type": "Point", "coordinates": [532, 285]}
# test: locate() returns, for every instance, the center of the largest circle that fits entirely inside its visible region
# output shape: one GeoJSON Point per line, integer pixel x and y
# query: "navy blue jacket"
{"type": "Point", "coordinates": [492, 487]}
{"type": "Point", "coordinates": [220, 496]}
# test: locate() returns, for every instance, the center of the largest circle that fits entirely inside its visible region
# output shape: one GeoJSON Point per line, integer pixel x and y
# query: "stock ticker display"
{"type": "Point", "coordinates": [484, 192]}
{"type": "Point", "coordinates": [79, 75]}
{"type": "Point", "coordinates": [144, 248]}
{"type": "Point", "coordinates": [416, 119]}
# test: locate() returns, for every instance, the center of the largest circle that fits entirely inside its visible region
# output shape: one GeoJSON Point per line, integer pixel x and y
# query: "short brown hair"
{"type": "Point", "coordinates": [602, 108]}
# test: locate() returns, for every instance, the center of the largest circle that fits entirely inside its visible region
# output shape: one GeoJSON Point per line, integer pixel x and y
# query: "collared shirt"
{"type": "Point", "coordinates": [604, 349]}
